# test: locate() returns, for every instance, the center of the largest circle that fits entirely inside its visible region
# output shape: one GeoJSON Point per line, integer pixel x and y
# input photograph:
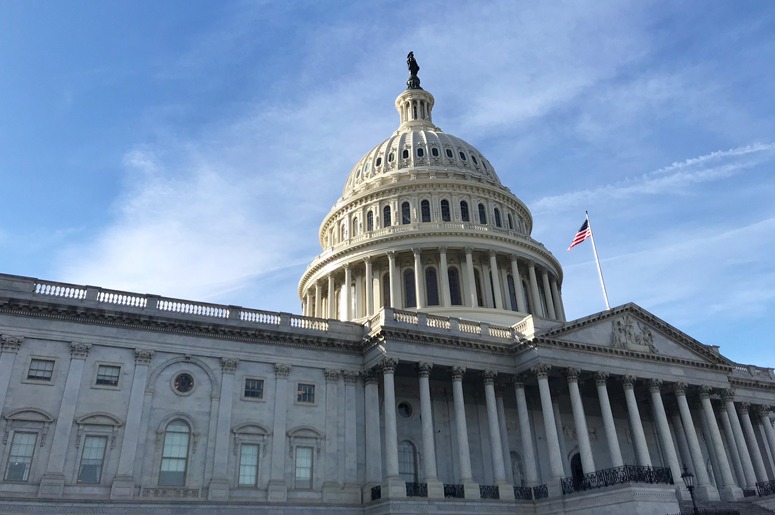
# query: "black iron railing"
{"type": "Point", "coordinates": [540, 492]}
{"type": "Point", "coordinates": [763, 488]}
{"type": "Point", "coordinates": [376, 492]}
{"type": "Point", "coordinates": [454, 491]}
{"type": "Point", "coordinates": [617, 476]}
{"type": "Point", "coordinates": [417, 489]}
{"type": "Point", "coordinates": [523, 493]}
{"type": "Point", "coordinates": [489, 492]}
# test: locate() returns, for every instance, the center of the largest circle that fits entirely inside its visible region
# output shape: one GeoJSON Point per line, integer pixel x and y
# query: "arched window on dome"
{"type": "Point", "coordinates": [435, 152]}
{"type": "Point", "coordinates": [407, 462]}
{"type": "Point", "coordinates": [410, 298]}
{"type": "Point", "coordinates": [462, 155]}
{"type": "Point", "coordinates": [370, 221]}
{"type": "Point", "coordinates": [512, 292]}
{"type": "Point", "coordinates": [406, 213]}
{"type": "Point", "coordinates": [473, 158]}
{"type": "Point", "coordinates": [342, 231]}
{"type": "Point", "coordinates": [391, 157]}
{"type": "Point", "coordinates": [478, 282]}
{"type": "Point", "coordinates": [454, 287]}
{"type": "Point", "coordinates": [425, 209]}
{"type": "Point", "coordinates": [379, 162]}
{"type": "Point", "coordinates": [405, 153]}
{"type": "Point", "coordinates": [511, 221]}
{"type": "Point", "coordinates": [386, 290]}
{"type": "Point", "coordinates": [449, 153]}
{"type": "Point", "coordinates": [445, 214]}
{"type": "Point", "coordinates": [174, 457]}
{"type": "Point", "coordinates": [497, 214]}
{"type": "Point", "coordinates": [386, 222]}
{"type": "Point", "coordinates": [431, 287]}
{"type": "Point", "coordinates": [355, 227]}
{"type": "Point", "coordinates": [482, 215]}
{"type": "Point", "coordinates": [464, 215]}
{"type": "Point", "coordinates": [420, 152]}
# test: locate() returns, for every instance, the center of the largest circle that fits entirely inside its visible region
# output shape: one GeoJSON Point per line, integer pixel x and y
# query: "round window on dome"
{"type": "Point", "coordinates": [462, 155]}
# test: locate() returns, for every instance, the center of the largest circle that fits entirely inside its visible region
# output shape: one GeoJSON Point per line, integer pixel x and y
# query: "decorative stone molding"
{"type": "Point", "coordinates": [370, 376]}
{"type": "Point", "coordinates": [457, 372]}
{"type": "Point", "coordinates": [488, 376]}
{"type": "Point", "coordinates": [728, 395]}
{"type": "Point", "coordinates": [763, 411]}
{"type": "Point", "coordinates": [424, 369]}
{"type": "Point", "coordinates": [350, 376]}
{"type": "Point", "coordinates": [519, 381]}
{"type": "Point", "coordinates": [11, 343]}
{"type": "Point", "coordinates": [229, 365]}
{"type": "Point", "coordinates": [541, 371]}
{"type": "Point", "coordinates": [680, 388]}
{"type": "Point", "coordinates": [417, 252]}
{"type": "Point", "coordinates": [572, 374]}
{"type": "Point", "coordinates": [601, 378]}
{"type": "Point", "coordinates": [388, 365]}
{"type": "Point", "coordinates": [629, 382]}
{"type": "Point", "coordinates": [143, 357]}
{"type": "Point", "coordinates": [442, 250]}
{"type": "Point", "coordinates": [282, 370]}
{"type": "Point", "coordinates": [705, 391]}
{"type": "Point", "coordinates": [332, 376]}
{"type": "Point", "coordinates": [624, 335]}
{"type": "Point", "coordinates": [79, 350]}
{"type": "Point", "coordinates": [744, 408]}
{"type": "Point", "coordinates": [468, 251]}
{"type": "Point", "coordinates": [655, 385]}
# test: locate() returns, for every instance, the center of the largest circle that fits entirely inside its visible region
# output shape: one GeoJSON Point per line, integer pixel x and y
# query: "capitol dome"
{"type": "Point", "coordinates": [425, 224]}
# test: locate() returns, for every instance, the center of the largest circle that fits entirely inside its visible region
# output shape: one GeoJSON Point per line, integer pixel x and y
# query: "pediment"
{"type": "Point", "coordinates": [631, 328]}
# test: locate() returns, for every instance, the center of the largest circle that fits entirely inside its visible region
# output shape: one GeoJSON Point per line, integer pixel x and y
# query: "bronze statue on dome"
{"type": "Point", "coordinates": [413, 82]}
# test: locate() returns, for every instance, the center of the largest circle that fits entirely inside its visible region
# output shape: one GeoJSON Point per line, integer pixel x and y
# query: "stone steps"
{"type": "Point", "coordinates": [744, 507]}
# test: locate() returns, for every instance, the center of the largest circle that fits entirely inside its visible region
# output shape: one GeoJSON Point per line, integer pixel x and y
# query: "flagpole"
{"type": "Point", "coordinates": [597, 260]}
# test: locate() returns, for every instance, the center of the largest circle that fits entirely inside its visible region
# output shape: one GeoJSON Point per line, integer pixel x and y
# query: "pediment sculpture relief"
{"type": "Point", "coordinates": [630, 335]}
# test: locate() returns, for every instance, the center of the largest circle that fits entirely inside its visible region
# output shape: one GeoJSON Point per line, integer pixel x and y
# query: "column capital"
{"type": "Point", "coordinates": [728, 394]}
{"type": "Point", "coordinates": [424, 369]}
{"type": "Point", "coordinates": [492, 253]}
{"type": "Point", "coordinates": [468, 251]}
{"type": "Point", "coordinates": [370, 376]}
{"type": "Point", "coordinates": [705, 391]}
{"type": "Point", "coordinates": [417, 252]}
{"type": "Point", "coordinates": [282, 370]}
{"type": "Point", "coordinates": [457, 372]}
{"type": "Point", "coordinates": [11, 343]}
{"type": "Point", "coordinates": [601, 378]}
{"type": "Point", "coordinates": [332, 376]}
{"type": "Point", "coordinates": [350, 377]}
{"type": "Point", "coordinates": [763, 411]}
{"type": "Point", "coordinates": [79, 350]}
{"type": "Point", "coordinates": [541, 371]}
{"type": "Point", "coordinates": [629, 381]}
{"type": "Point", "coordinates": [391, 254]}
{"type": "Point", "coordinates": [655, 385]}
{"type": "Point", "coordinates": [680, 388]}
{"type": "Point", "coordinates": [442, 250]}
{"type": "Point", "coordinates": [519, 381]}
{"type": "Point", "coordinates": [388, 365]}
{"type": "Point", "coordinates": [743, 408]}
{"type": "Point", "coordinates": [488, 376]}
{"type": "Point", "coordinates": [229, 365]}
{"type": "Point", "coordinates": [572, 374]}
{"type": "Point", "coordinates": [367, 259]}
{"type": "Point", "coordinates": [346, 266]}
{"type": "Point", "coordinates": [531, 265]}
{"type": "Point", "coordinates": [143, 356]}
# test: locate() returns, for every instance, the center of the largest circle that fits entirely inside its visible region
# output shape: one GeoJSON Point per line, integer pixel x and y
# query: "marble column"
{"type": "Point", "coordinates": [580, 421]}
{"type": "Point", "coordinates": [726, 486]}
{"type": "Point", "coordinates": [278, 489]}
{"type": "Point", "coordinates": [558, 309]}
{"type": "Point", "coordinates": [728, 396]}
{"type": "Point", "coordinates": [753, 444]}
{"type": "Point", "coordinates": [394, 296]}
{"type": "Point", "coordinates": [435, 487]}
{"type": "Point", "coordinates": [318, 301]}
{"type": "Point", "coordinates": [769, 432]}
{"type": "Point", "coordinates": [444, 279]}
{"type": "Point", "coordinates": [552, 441]}
{"type": "Point", "coordinates": [521, 307]}
{"type": "Point", "coordinates": [219, 484]}
{"type": "Point", "coordinates": [368, 277]}
{"type": "Point", "coordinates": [525, 433]}
{"type": "Point", "coordinates": [331, 297]}
{"type": "Point", "coordinates": [496, 280]}
{"type": "Point", "coordinates": [680, 439]}
{"type": "Point", "coordinates": [538, 308]}
{"type": "Point", "coordinates": [704, 489]}
{"type": "Point", "coordinates": [471, 489]}
{"type": "Point", "coordinates": [504, 433]}
{"type": "Point", "coordinates": [392, 486]}
{"type": "Point", "coordinates": [419, 279]}
{"type": "Point", "coordinates": [10, 348]}
{"type": "Point", "coordinates": [350, 430]}
{"type": "Point", "coordinates": [496, 449]}
{"type": "Point", "coordinates": [346, 297]}
{"type": "Point", "coordinates": [636, 425]}
{"type": "Point", "coordinates": [53, 481]}
{"type": "Point", "coordinates": [731, 446]}
{"type": "Point", "coordinates": [331, 443]}
{"type": "Point", "coordinates": [665, 439]}
{"type": "Point", "coordinates": [609, 425]}
{"type": "Point", "coordinates": [560, 432]}
{"type": "Point", "coordinates": [472, 298]}
{"type": "Point", "coordinates": [548, 294]}
{"type": "Point", "coordinates": [373, 443]}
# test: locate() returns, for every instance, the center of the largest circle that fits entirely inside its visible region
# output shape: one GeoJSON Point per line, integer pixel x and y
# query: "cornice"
{"type": "Point", "coordinates": [385, 333]}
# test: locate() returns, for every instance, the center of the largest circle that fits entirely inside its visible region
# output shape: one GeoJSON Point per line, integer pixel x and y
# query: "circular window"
{"type": "Point", "coordinates": [183, 383]}
{"type": "Point", "coordinates": [405, 409]}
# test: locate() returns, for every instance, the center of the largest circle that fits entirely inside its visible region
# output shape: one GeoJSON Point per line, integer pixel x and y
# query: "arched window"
{"type": "Point", "coordinates": [420, 152]}
{"type": "Point", "coordinates": [409, 293]}
{"type": "Point", "coordinates": [370, 221]}
{"type": "Point", "coordinates": [435, 152]}
{"type": "Point", "coordinates": [407, 462]}
{"type": "Point", "coordinates": [454, 287]}
{"type": "Point", "coordinates": [449, 153]}
{"type": "Point", "coordinates": [355, 227]}
{"type": "Point", "coordinates": [391, 157]}
{"type": "Point", "coordinates": [462, 155]}
{"type": "Point", "coordinates": [497, 213]}
{"type": "Point", "coordinates": [386, 217]}
{"type": "Point", "coordinates": [405, 153]}
{"type": "Point", "coordinates": [482, 215]}
{"type": "Point", "coordinates": [479, 296]}
{"type": "Point", "coordinates": [512, 292]}
{"type": "Point", "coordinates": [464, 211]}
{"type": "Point", "coordinates": [174, 458]}
{"type": "Point", "coordinates": [425, 209]}
{"type": "Point", "coordinates": [445, 216]}
{"type": "Point", "coordinates": [432, 286]}
{"type": "Point", "coordinates": [511, 221]}
{"type": "Point", "coordinates": [386, 290]}
{"type": "Point", "coordinates": [473, 158]}
{"type": "Point", "coordinates": [406, 213]}
{"type": "Point", "coordinates": [379, 162]}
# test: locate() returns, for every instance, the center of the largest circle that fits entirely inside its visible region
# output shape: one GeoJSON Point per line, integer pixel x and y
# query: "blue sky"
{"type": "Point", "coordinates": [191, 149]}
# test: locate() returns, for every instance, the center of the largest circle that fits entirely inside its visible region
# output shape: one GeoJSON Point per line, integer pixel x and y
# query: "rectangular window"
{"type": "Point", "coordinates": [20, 457]}
{"type": "Point", "coordinates": [305, 393]}
{"type": "Point", "coordinates": [254, 388]}
{"type": "Point", "coordinates": [92, 459]}
{"type": "Point", "coordinates": [303, 467]}
{"type": "Point", "coordinates": [248, 464]}
{"type": "Point", "coordinates": [108, 375]}
{"type": "Point", "coordinates": [41, 370]}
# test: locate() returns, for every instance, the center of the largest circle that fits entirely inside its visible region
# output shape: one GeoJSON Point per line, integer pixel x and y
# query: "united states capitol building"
{"type": "Point", "coordinates": [432, 370]}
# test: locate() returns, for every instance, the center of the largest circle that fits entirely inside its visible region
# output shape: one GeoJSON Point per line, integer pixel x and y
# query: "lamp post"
{"type": "Point", "coordinates": [688, 478]}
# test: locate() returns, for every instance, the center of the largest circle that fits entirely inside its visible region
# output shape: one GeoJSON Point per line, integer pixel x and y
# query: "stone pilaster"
{"type": "Point", "coordinates": [278, 489]}
{"type": "Point", "coordinates": [219, 485]}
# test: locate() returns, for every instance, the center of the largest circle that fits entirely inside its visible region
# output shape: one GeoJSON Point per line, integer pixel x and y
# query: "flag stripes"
{"type": "Point", "coordinates": [584, 233]}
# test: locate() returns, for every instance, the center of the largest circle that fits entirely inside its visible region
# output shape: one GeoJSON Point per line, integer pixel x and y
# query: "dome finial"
{"type": "Point", "coordinates": [413, 82]}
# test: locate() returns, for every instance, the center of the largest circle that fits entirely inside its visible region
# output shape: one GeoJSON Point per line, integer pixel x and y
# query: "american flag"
{"type": "Point", "coordinates": [583, 234]}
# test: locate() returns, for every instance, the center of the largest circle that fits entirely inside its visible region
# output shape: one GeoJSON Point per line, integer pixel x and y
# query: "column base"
{"type": "Point", "coordinates": [506, 491]}
{"type": "Point", "coordinates": [435, 489]}
{"type": "Point", "coordinates": [277, 491]}
{"type": "Point", "coordinates": [471, 490]}
{"type": "Point", "coordinates": [730, 493]}
{"type": "Point", "coordinates": [681, 493]}
{"type": "Point", "coordinates": [219, 490]}
{"type": "Point", "coordinates": [51, 486]}
{"type": "Point", "coordinates": [393, 488]}
{"type": "Point", "coordinates": [123, 487]}
{"type": "Point", "coordinates": [553, 487]}
{"type": "Point", "coordinates": [707, 493]}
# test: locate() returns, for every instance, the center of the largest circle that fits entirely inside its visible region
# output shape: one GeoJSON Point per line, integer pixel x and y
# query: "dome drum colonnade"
{"type": "Point", "coordinates": [738, 459]}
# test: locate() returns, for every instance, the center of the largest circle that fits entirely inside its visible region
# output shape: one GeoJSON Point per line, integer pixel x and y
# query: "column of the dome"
{"type": "Point", "coordinates": [346, 287]}
{"type": "Point", "coordinates": [521, 307]}
{"type": "Point", "coordinates": [369, 278]}
{"type": "Point", "coordinates": [503, 273]}
{"type": "Point", "coordinates": [471, 280]}
{"type": "Point", "coordinates": [548, 295]}
{"type": "Point", "coordinates": [537, 307]}
{"type": "Point", "coordinates": [331, 301]}
{"type": "Point", "coordinates": [496, 284]}
{"type": "Point", "coordinates": [392, 278]}
{"type": "Point", "coordinates": [445, 300]}
{"type": "Point", "coordinates": [318, 300]}
{"type": "Point", "coordinates": [486, 285]}
{"type": "Point", "coordinates": [419, 283]}
{"type": "Point", "coordinates": [558, 308]}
